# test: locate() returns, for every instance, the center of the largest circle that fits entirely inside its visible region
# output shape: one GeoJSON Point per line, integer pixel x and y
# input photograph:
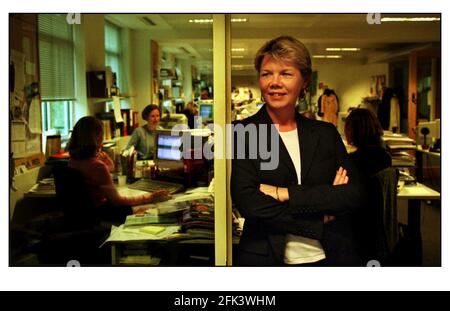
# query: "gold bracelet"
{"type": "Point", "coordinates": [278, 198]}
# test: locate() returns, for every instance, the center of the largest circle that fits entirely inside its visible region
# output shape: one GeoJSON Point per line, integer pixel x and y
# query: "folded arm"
{"type": "Point", "coordinates": [276, 216]}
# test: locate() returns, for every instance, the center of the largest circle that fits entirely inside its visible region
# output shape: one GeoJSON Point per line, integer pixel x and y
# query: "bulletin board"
{"type": "Point", "coordinates": [25, 106]}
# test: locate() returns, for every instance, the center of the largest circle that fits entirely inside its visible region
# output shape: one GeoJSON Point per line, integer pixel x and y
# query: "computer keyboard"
{"type": "Point", "coordinates": [151, 185]}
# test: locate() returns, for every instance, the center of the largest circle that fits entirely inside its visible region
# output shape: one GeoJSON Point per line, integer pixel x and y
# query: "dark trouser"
{"type": "Point", "coordinates": [320, 263]}
{"type": "Point", "coordinates": [250, 259]}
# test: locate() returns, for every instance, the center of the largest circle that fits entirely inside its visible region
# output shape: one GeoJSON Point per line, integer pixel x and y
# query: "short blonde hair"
{"type": "Point", "coordinates": [288, 49]}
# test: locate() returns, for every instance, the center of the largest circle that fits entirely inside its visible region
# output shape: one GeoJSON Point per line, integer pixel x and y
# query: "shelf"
{"type": "Point", "coordinates": [369, 99]}
{"type": "Point", "coordinates": [106, 99]}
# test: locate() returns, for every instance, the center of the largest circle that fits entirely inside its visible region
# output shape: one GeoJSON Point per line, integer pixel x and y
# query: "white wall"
{"type": "Point", "coordinates": [350, 81]}
{"type": "Point", "coordinates": [141, 73]}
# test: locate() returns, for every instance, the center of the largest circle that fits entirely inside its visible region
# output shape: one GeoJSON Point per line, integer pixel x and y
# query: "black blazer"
{"type": "Point", "coordinates": [267, 221]}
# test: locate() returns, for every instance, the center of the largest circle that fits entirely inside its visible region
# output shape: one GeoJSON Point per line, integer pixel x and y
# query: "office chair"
{"type": "Point", "coordinates": [82, 232]}
{"type": "Point", "coordinates": [378, 223]}
{"type": "Point", "coordinates": [388, 179]}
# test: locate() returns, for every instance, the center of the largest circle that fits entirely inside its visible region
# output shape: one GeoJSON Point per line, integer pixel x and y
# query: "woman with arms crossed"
{"type": "Point", "coordinates": [296, 213]}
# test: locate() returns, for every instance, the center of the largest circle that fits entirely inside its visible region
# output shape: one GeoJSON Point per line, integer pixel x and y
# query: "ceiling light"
{"type": "Point", "coordinates": [239, 20]}
{"type": "Point", "coordinates": [343, 49]}
{"type": "Point", "coordinates": [410, 19]}
{"type": "Point", "coordinates": [201, 21]}
{"type": "Point", "coordinates": [237, 49]}
{"type": "Point", "coordinates": [237, 56]}
{"type": "Point", "coordinates": [210, 20]}
{"type": "Point", "coordinates": [245, 66]}
{"type": "Point", "coordinates": [327, 56]}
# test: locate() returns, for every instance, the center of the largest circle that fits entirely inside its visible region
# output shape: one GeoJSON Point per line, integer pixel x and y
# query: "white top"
{"type": "Point", "coordinates": [299, 249]}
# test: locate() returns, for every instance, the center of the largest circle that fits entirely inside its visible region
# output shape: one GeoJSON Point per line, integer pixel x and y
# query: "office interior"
{"type": "Point", "coordinates": [117, 64]}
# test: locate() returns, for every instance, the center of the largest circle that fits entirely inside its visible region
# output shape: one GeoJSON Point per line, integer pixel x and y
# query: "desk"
{"type": "Point", "coordinates": [414, 194]}
{"type": "Point", "coordinates": [187, 239]}
{"type": "Point", "coordinates": [419, 158]}
{"type": "Point", "coordinates": [184, 252]}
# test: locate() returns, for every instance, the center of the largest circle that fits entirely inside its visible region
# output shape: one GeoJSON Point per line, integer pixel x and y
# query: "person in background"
{"type": "Point", "coordinates": [298, 212]}
{"type": "Point", "coordinates": [191, 111]}
{"type": "Point", "coordinates": [330, 106]}
{"type": "Point", "coordinates": [87, 157]}
{"type": "Point", "coordinates": [363, 131]}
{"type": "Point", "coordinates": [205, 94]}
{"type": "Point", "coordinates": [143, 138]}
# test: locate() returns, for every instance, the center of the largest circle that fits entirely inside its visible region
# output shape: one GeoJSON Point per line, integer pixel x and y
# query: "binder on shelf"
{"type": "Point", "coordinates": [109, 124]}
{"type": "Point", "coordinates": [129, 120]}
{"type": "Point", "coordinates": [107, 135]}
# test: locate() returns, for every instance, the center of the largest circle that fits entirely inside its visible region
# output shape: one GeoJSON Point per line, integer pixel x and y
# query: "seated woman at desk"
{"type": "Point", "coordinates": [87, 157]}
{"type": "Point", "coordinates": [143, 138]}
{"type": "Point", "coordinates": [363, 131]}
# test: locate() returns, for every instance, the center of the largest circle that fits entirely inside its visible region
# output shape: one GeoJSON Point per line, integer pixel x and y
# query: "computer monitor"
{"type": "Point", "coordinates": [206, 111]}
{"type": "Point", "coordinates": [179, 153]}
{"type": "Point", "coordinates": [168, 146]}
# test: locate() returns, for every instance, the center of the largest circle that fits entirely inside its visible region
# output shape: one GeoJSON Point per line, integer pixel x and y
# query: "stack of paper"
{"type": "Point", "coordinates": [398, 145]}
{"type": "Point", "coordinates": [133, 220]}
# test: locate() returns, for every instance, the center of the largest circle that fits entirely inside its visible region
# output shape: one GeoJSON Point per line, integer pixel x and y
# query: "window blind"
{"type": "Point", "coordinates": [113, 49]}
{"type": "Point", "coordinates": [56, 57]}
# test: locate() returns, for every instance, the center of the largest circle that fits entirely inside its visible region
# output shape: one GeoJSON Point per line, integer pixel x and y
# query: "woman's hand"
{"type": "Point", "coordinates": [139, 210]}
{"type": "Point", "coordinates": [158, 195]}
{"type": "Point", "coordinates": [341, 178]}
{"type": "Point", "coordinates": [278, 193]}
{"type": "Point", "coordinates": [102, 156]}
{"type": "Point", "coordinates": [282, 194]}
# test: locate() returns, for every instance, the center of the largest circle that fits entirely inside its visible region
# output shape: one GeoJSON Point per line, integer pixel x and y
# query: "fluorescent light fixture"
{"type": "Point", "coordinates": [237, 49]}
{"type": "Point", "coordinates": [210, 20]}
{"type": "Point", "coordinates": [246, 66]}
{"type": "Point", "coordinates": [410, 19]}
{"type": "Point", "coordinates": [343, 49]}
{"type": "Point", "coordinates": [237, 56]}
{"type": "Point", "coordinates": [327, 56]}
{"type": "Point", "coordinates": [201, 21]}
{"type": "Point", "coordinates": [239, 20]}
